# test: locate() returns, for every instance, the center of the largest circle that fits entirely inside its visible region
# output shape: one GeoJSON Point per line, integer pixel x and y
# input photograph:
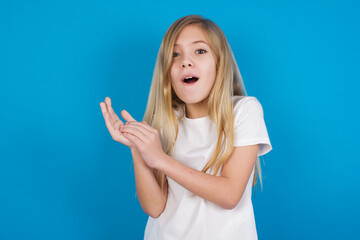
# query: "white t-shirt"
{"type": "Point", "coordinates": [192, 217]}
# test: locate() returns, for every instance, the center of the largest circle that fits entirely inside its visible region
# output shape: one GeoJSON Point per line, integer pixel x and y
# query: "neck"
{"type": "Point", "coordinates": [196, 110]}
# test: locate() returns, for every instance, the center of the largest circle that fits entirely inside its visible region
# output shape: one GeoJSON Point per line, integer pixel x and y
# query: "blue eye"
{"type": "Point", "coordinates": [175, 54]}
{"type": "Point", "coordinates": [201, 51]}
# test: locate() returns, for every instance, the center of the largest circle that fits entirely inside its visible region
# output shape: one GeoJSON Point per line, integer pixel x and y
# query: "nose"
{"type": "Point", "coordinates": [187, 63]}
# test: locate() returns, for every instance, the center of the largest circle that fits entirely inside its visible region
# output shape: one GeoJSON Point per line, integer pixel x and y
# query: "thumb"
{"type": "Point", "coordinates": [127, 116]}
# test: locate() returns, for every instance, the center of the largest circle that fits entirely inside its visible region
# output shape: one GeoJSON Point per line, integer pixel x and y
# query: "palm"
{"type": "Point", "coordinates": [116, 134]}
{"type": "Point", "coordinates": [113, 122]}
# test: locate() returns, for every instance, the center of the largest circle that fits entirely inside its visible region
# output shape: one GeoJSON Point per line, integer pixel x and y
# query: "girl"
{"type": "Point", "coordinates": [196, 152]}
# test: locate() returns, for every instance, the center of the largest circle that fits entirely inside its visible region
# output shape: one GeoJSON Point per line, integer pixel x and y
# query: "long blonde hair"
{"type": "Point", "coordinates": [163, 101]}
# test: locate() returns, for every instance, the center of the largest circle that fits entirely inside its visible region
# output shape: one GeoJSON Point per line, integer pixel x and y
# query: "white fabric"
{"type": "Point", "coordinates": [192, 217]}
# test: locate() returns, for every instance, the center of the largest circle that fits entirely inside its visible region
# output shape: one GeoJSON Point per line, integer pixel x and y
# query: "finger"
{"type": "Point", "coordinates": [109, 124]}
{"type": "Point", "coordinates": [133, 125]}
{"type": "Point", "coordinates": [103, 108]}
{"type": "Point", "coordinates": [114, 129]}
{"type": "Point", "coordinates": [127, 116]}
{"type": "Point", "coordinates": [133, 139]}
{"type": "Point", "coordinates": [114, 124]}
{"type": "Point", "coordinates": [117, 125]}
{"type": "Point", "coordinates": [105, 112]}
{"type": "Point", "coordinates": [137, 131]}
{"type": "Point", "coordinates": [113, 115]}
{"type": "Point", "coordinates": [143, 126]}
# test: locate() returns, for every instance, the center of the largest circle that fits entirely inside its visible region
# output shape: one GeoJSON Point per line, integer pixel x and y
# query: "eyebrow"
{"type": "Point", "coordinates": [198, 41]}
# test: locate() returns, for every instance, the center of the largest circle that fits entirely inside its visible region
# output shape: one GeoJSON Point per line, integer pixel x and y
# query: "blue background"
{"type": "Point", "coordinates": [63, 177]}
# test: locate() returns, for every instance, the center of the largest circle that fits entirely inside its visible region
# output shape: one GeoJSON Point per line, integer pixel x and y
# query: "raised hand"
{"type": "Point", "coordinates": [146, 140]}
{"type": "Point", "coordinates": [113, 122]}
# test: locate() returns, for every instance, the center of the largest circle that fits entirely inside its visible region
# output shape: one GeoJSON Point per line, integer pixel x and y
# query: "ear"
{"type": "Point", "coordinates": [127, 116]}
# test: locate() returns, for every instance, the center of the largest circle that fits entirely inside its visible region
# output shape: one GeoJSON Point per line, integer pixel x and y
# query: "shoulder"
{"type": "Point", "coordinates": [241, 103]}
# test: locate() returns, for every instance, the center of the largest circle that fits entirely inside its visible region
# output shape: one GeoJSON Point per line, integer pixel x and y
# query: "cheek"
{"type": "Point", "coordinates": [211, 69]}
{"type": "Point", "coordinates": [213, 64]}
{"type": "Point", "coordinates": [172, 73]}
{"type": "Point", "coordinates": [172, 77]}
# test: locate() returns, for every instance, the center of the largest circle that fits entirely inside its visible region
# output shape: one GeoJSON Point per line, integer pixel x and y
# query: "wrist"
{"type": "Point", "coordinates": [135, 153]}
{"type": "Point", "coordinates": [162, 161]}
{"type": "Point", "coordinates": [134, 150]}
{"type": "Point", "coordinates": [137, 159]}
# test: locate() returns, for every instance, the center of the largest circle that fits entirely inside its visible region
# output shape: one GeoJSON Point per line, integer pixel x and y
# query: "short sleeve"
{"type": "Point", "coordinates": [249, 124]}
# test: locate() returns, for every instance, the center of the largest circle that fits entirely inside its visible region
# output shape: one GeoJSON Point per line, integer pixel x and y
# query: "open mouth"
{"type": "Point", "coordinates": [190, 79]}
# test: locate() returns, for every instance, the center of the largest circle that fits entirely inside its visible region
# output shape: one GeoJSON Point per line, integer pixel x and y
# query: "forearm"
{"type": "Point", "coordinates": [216, 189]}
{"type": "Point", "coordinates": [225, 190]}
{"type": "Point", "coordinates": [149, 193]}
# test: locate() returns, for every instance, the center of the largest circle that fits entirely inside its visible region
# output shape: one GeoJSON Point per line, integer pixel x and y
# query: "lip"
{"type": "Point", "coordinates": [189, 75]}
{"type": "Point", "coordinates": [189, 84]}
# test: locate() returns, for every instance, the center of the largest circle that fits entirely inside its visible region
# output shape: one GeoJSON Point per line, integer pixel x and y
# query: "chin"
{"type": "Point", "coordinates": [191, 100]}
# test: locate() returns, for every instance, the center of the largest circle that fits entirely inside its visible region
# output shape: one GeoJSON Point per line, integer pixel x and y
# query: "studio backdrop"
{"type": "Point", "coordinates": [62, 176]}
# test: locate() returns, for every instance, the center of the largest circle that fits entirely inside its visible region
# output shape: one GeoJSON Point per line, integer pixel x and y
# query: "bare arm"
{"type": "Point", "coordinates": [151, 199]}
{"type": "Point", "coordinates": [225, 190]}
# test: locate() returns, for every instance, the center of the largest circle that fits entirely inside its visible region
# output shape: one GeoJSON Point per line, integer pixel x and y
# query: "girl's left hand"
{"type": "Point", "coordinates": [147, 141]}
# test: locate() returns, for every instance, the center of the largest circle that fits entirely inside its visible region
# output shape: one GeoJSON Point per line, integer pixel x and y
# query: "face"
{"type": "Point", "coordinates": [193, 68]}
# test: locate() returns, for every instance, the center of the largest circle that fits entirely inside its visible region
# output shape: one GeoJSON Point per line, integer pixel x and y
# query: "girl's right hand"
{"type": "Point", "coordinates": [113, 122]}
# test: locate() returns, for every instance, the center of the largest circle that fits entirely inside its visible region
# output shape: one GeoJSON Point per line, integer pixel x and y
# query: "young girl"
{"type": "Point", "coordinates": [196, 152]}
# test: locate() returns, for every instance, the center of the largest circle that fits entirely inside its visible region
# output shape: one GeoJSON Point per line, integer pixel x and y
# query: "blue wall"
{"type": "Point", "coordinates": [63, 177]}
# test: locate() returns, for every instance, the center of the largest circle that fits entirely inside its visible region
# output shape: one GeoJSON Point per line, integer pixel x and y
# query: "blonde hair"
{"type": "Point", "coordinates": [163, 101]}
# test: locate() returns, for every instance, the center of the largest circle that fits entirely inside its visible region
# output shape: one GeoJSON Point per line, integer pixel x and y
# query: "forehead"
{"type": "Point", "coordinates": [189, 35]}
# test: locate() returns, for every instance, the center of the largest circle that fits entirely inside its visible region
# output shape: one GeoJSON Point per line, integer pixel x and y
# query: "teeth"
{"type": "Point", "coordinates": [189, 77]}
